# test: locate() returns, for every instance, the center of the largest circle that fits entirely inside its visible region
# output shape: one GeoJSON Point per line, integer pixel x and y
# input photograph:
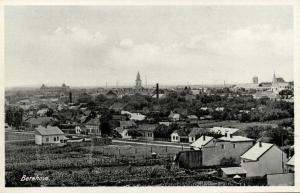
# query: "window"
{"type": "Point", "coordinates": [222, 146]}
{"type": "Point", "coordinates": [57, 138]}
{"type": "Point", "coordinates": [54, 138]}
{"type": "Point", "coordinates": [233, 145]}
{"type": "Point", "coordinates": [47, 139]}
{"type": "Point", "coordinates": [176, 137]}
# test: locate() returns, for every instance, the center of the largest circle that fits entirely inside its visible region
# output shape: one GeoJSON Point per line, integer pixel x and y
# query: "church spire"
{"type": "Point", "coordinates": [138, 81]}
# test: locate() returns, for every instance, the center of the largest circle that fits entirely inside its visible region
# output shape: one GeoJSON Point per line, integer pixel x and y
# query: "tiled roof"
{"type": "Point", "coordinates": [256, 151]}
{"type": "Point", "coordinates": [195, 131]}
{"type": "Point", "coordinates": [49, 130]}
{"type": "Point", "coordinates": [147, 127]}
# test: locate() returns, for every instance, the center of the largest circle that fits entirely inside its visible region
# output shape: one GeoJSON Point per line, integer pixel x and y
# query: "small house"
{"type": "Point", "coordinates": [48, 135]}
{"type": "Point", "coordinates": [233, 172]}
{"type": "Point", "coordinates": [147, 131]}
{"type": "Point", "coordinates": [93, 126]}
{"type": "Point", "coordinates": [262, 159]}
{"type": "Point", "coordinates": [179, 136]}
{"type": "Point", "coordinates": [174, 116]}
{"type": "Point", "coordinates": [194, 134]}
{"type": "Point", "coordinates": [290, 165]}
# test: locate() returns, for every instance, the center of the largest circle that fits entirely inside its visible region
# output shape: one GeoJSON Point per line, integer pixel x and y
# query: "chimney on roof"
{"type": "Point", "coordinates": [203, 137]}
{"type": "Point", "coordinates": [260, 145]}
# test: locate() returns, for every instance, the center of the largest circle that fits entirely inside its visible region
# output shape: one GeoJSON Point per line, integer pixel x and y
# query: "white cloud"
{"type": "Point", "coordinates": [79, 35]}
{"type": "Point", "coordinates": [126, 43]}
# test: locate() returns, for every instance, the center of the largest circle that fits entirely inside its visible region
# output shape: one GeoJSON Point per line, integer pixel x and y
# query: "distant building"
{"type": "Point", "coordinates": [138, 81]}
{"type": "Point", "coordinates": [255, 80]}
{"type": "Point", "coordinates": [55, 91]}
{"type": "Point", "coordinates": [278, 84]}
{"type": "Point", "coordinates": [93, 126]}
{"type": "Point", "coordinates": [48, 135]}
{"type": "Point", "coordinates": [146, 131]}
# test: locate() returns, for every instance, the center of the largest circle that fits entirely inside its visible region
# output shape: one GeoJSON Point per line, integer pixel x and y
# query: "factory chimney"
{"type": "Point", "coordinates": [157, 91]}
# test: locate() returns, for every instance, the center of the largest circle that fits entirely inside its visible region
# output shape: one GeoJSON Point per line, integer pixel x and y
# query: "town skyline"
{"type": "Point", "coordinates": [87, 46]}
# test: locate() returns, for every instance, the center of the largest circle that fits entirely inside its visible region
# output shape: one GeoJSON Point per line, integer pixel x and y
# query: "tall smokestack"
{"type": "Point", "coordinates": [70, 97]}
{"type": "Point", "coordinates": [157, 91]}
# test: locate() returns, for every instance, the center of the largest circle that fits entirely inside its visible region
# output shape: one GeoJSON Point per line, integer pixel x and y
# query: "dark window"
{"type": "Point", "coordinates": [222, 146]}
{"type": "Point", "coordinates": [233, 145]}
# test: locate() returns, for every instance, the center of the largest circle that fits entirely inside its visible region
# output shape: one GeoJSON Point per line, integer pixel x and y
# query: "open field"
{"type": "Point", "coordinates": [11, 136]}
{"type": "Point", "coordinates": [81, 166]}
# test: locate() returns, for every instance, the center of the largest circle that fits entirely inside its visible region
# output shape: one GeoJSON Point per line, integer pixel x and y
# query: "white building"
{"type": "Point", "coordinates": [48, 135]}
{"type": "Point", "coordinates": [262, 159]}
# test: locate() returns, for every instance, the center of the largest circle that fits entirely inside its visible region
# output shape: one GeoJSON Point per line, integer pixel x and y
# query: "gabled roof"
{"type": "Point", "coordinates": [39, 120]}
{"type": "Point", "coordinates": [147, 127]}
{"type": "Point", "coordinates": [233, 170]}
{"type": "Point", "coordinates": [94, 121]}
{"type": "Point", "coordinates": [256, 151]}
{"type": "Point", "coordinates": [235, 139]}
{"type": "Point", "coordinates": [192, 117]}
{"type": "Point", "coordinates": [49, 130]}
{"type": "Point", "coordinates": [195, 131]}
{"type": "Point", "coordinates": [118, 106]}
{"type": "Point", "coordinates": [291, 161]}
{"type": "Point", "coordinates": [127, 123]}
{"type": "Point", "coordinates": [223, 130]}
{"type": "Point", "coordinates": [180, 132]}
{"type": "Point", "coordinates": [201, 142]}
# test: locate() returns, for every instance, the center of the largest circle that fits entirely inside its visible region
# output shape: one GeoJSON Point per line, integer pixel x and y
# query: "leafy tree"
{"type": "Point", "coordinates": [134, 133]}
{"type": "Point", "coordinates": [254, 132]}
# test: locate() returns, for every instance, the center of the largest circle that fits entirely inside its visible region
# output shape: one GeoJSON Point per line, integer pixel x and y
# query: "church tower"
{"type": "Point", "coordinates": [138, 81]}
{"type": "Point", "coordinates": [274, 79]}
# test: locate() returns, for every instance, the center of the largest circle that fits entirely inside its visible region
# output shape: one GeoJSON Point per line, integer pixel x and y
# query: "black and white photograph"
{"type": "Point", "coordinates": [164, 95]}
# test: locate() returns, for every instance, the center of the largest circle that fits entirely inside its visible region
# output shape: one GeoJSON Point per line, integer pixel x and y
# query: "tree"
{"type": "Point", "coordinates": [254, 132]}
{"type": "Point", "coordinates": [134, 133]}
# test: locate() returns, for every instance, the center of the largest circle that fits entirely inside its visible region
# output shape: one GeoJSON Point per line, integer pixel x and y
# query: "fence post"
{"type": "Point", "coordinates": [166, 148]}
{"type": "Point", "coordinates": [182, 147]}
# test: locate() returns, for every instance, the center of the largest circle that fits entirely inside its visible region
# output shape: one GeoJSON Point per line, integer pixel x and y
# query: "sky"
{"type": "Point", "coordinates": [170, 45]}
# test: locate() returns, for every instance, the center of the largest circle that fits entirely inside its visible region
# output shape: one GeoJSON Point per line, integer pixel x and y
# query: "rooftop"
{"type": "Point", "coordinates": [256, 151]}
{"type": "Point", "coordinates": [235, 138]}
{"type": "Point", "coordinates": [201, 141]}
{"type": "Point", "coordinates": [49, 130]}
{"type": "Point", "coordinates": [223, 130]}
{"type": "Point", "coordinates": [233, 170]}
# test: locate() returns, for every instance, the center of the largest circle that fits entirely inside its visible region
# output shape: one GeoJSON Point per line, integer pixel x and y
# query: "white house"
{"type": "Point", "coordinates": [48, 135]}
{"type": "Point", "coordinates": [134, 116]}
{"type": "Point", "coordinates": [174, 116]}
{"type": "Point", "coordinates": [262, 159]}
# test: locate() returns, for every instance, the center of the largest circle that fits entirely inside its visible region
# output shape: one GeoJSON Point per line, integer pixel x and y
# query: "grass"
{"type": "Point", "coordinates": [10, 136]}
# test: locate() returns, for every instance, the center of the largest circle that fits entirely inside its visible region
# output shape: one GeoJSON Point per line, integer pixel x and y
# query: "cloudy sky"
{"type": "Point", "coordinates": [87, 46]}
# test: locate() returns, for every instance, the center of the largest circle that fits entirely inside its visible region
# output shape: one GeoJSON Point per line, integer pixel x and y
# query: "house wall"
{"type": "Point", "coordinates": [93, 129]}
{"type": "Point", "coordinates": [175, 137]}
{"type": "Point", "coordinates": [51, 139]}
{"type": "Point", "coordinates": [38, 140]}
{"type": "Point", "coordinates": [125, 134]}
{"type": "Point", "coordinates": [147, 135]}
{"type": "Point", "coordinates": [213, 154]}
{"type": "Point", "coordinates": [268, 163]}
